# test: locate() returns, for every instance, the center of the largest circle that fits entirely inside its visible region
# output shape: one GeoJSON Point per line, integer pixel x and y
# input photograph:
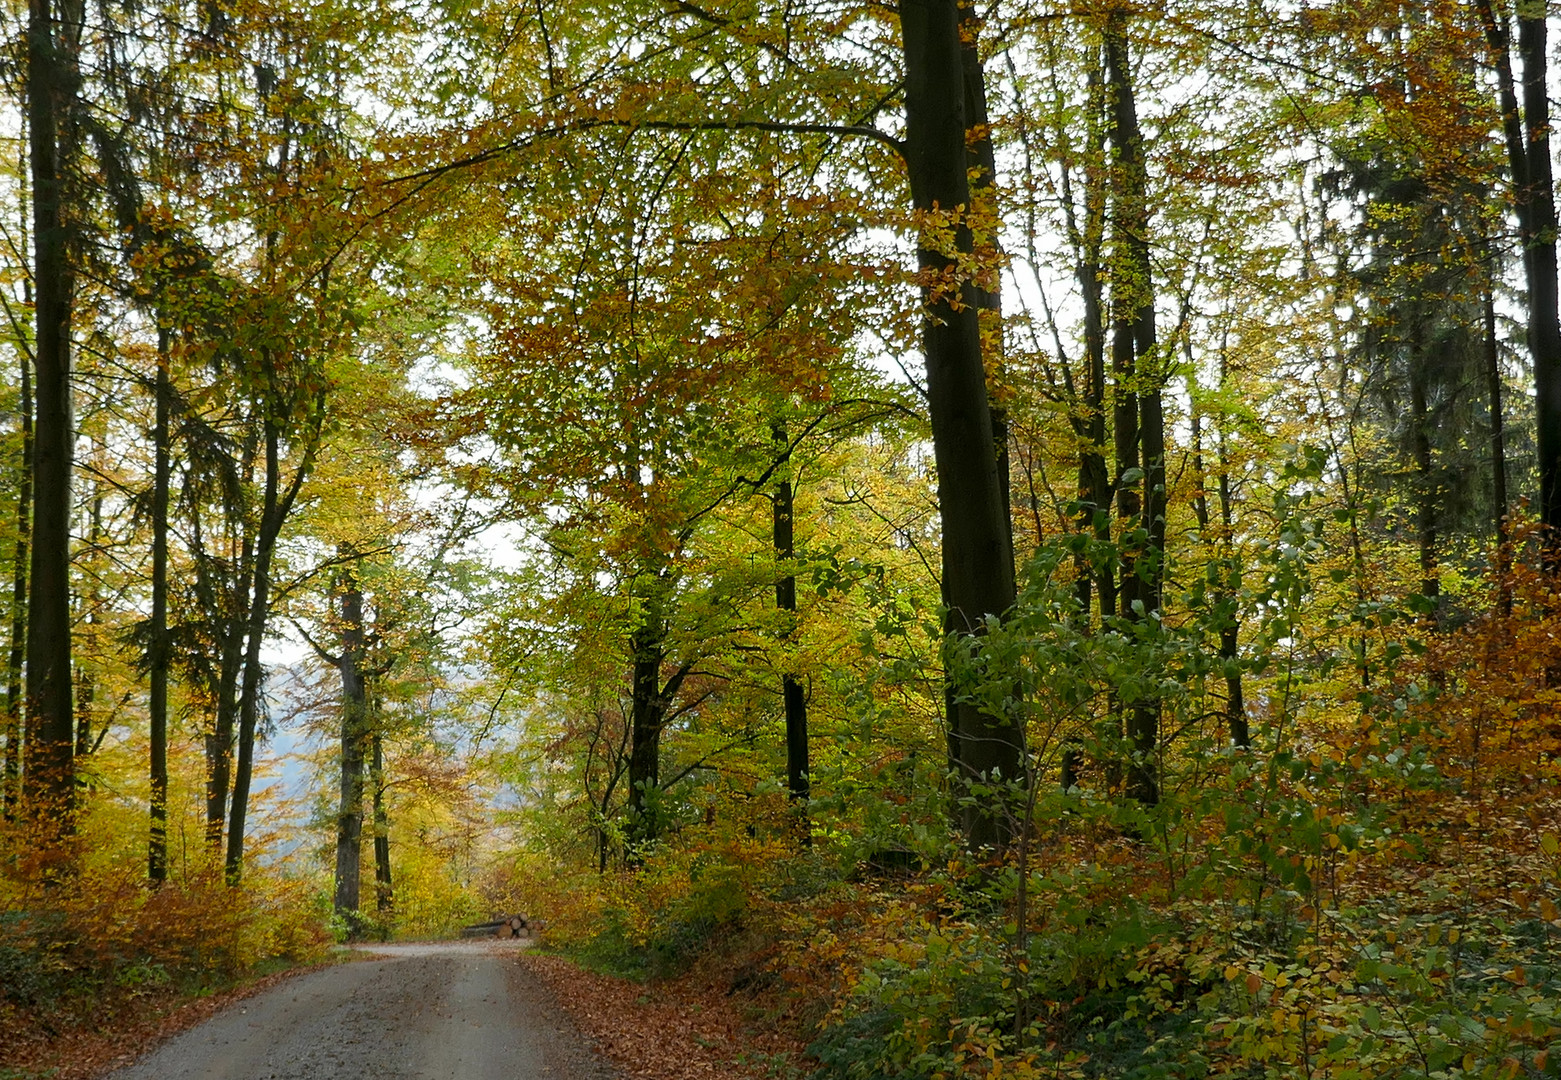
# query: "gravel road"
{"type": "Point", "coordinates": [434, 1011]}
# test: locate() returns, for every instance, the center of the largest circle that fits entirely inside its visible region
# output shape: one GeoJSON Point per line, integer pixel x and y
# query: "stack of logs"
{"type": "Point", "coordinates": [504, 926]}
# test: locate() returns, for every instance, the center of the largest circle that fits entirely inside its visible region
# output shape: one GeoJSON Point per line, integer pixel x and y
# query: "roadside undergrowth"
{"type": "Point", "coordinates": [84, 1048]}
{"type": "Point", "coordinates": [1372, 890]}
{"type": "Point", "coordinates": [677, 1028]}
{"type": "Point", "coordinates": [96, 965]}
{"type": "Point", "coordinates": [1417, 940]}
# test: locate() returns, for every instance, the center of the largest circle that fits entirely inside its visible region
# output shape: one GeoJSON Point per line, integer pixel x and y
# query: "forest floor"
{"type": "Point", "coordinates": [693, 1026]}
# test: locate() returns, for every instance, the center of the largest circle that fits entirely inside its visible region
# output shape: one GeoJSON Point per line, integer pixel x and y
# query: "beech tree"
{"type": "Point", "coordinates": [1525, 125]}
{"type": "Point", "coordinates": [17, 653]}
{"type": "Point", "coordinates": [51, 95]}
{"type": "Point", "coordinates": [978, 563]}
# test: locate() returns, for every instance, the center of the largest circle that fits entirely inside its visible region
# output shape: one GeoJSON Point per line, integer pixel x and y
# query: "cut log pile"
{"type": "Point", "coordinates": [503, 926]}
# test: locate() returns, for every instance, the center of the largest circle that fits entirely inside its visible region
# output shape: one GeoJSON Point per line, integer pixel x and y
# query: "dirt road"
{"type": "Point", "coordinates": [445, 1011]}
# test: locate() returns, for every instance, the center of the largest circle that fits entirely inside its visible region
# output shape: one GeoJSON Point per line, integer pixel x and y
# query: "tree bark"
{"type": "Point", "coordinates": [1527, 137]}
{"type": "Point", "coordinates": [1230, 626]}
{"type": "Point", "coordinates": [1094, 479]}
{"type": "Point", "coordinates": [50, 780]}
{"type": "Point", "coordinates": [1426, 487]}
{"type": "Point", "coordinates": [15, 666]}
{"type": "Point", "coordinates": [86, 656]}
{"type": "Point", "coordinates": [1498, 454]}
{"type": "Point", "coordinates": [647, 710]}
{"type": "Point", "coordinates": [786, 600]}
{"type": "Point", "coordinates": [354, 699]}
{"type": "Point", "coordinates": [276, 504]}
{"type": "Point", "coordinates": [1140, 419]}
{"type": "Point", "coordinates": [157, 846]}
{"type": "Point", "coordinates": [254, 631]}
{"type": "Point", "coordinates": [978, 570]}
{"type": "Point", "coordinates": [384, 886]}
{"type": "Point", "coordinates": [233, 623]}
{"type": "Point", "coordinates": [981, 168]}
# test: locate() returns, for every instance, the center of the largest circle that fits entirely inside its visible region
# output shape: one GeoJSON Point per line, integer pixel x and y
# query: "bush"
{"type": "Point", "coordinates": [69, 940]}
{"type": "Point", "coordinates": [655, 920]}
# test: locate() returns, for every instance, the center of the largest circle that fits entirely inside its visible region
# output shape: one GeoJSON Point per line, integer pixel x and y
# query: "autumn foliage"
{"type": "Point", "coordinates": [566, 389]}
{"type": "Point", "coordinates": [90, 947]}
{"type": "Point", "coordinates": [1373, 892]}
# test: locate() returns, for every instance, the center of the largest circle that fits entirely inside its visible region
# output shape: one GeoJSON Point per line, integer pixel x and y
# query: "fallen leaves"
{"type": "Point", "coordinates": [680, 1029]}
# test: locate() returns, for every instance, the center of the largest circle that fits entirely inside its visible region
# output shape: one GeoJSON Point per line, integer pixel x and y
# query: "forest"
{"type": "Point", "coordinates": [1012, 538]}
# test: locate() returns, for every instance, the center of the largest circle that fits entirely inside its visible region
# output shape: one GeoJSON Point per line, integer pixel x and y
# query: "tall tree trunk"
{"type": "Point", "coordinates": [1094, 478]}
{"type": "Point", "coordinates": [1527, 137]}
{"type": "Point", "coordinates": [981, 168]}
{"type": "Point", "coordinates": [14, 668]}
{"type": "Point", "coordinates": [354, 708]}
{"type": "Point", "coordinates": [978, 569]}
{"type": "Point", "coordinates": [50, 776]}
{"type": "Point", "coordinates": [1095, 491]}
{"type": "Point", "coordinates": [384, 886]}
{"type": "Point", "coordinates": [254, 634]}
{"type": "Point", "coordinates": [87, 656]}
{"type": "Point", "coordinates": [1540, 244]}
{"type": "Point", "coordinates": [157, 846]}
{"type": "Point", "coordinates": [1426, 486]}
{"type": "Point", "coordinates": [1137, 363]}
{"type": "Point", "coordinates": [1230, 627]}
{"type": "Point", "coordinates": [786, 600]}
{"type": "Point", "coordinates": [647, 710]}
{"type": "Point", "coordinates": [1498, 452]}
{"type": "Point", "coordinates": [220, 743]}
{"type": "Point", "coordinates": [276, 504]}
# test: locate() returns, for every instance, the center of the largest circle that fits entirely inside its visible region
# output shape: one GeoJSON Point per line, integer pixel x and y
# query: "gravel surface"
{"type": "Point", "coordinates": [418, 1011]}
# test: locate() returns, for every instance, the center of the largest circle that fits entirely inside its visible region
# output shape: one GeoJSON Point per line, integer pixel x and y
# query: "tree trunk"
{"type": "Point", "coordinates": [14, 668]}
{"type": "Point", "coordinates": [981, 168]}
{"type": "Point", "coordinates": [219, 744]}
{"type": "Point", "coordinates": [1140, 419]}
{"type": "Point", "coordinates": [254, 631]}
{"type": "Point", "coordinates": [50, 779]}
{"type": "Point", "coordinates": [157, 846]}
{"type": "Point", "coordinates": [1527, 136]}
{"type": "Point", "coordinates": [1094, 478]}
{"type": "Point", "coordinates": [786, 600]}
{"type": "Point", "coordinates": [87, 656]}
{"type": "Point", "coordinates": [1540, 244]}
{"type": "Point", "coordinates": [1235, 699]}
{"type": "Point", "coordinates": [276, 504]}
{"type": "Point", "coordinates": [1426, 487]}
{"type": "Point", "coordinates": [978, 570]}
{"type": "Point", "coordinates": [648, 644]}
{"type": "Point", "coordinates": [1498, 453]}
{"type": "Point", "coordinates": [384, 887]}
{"type": "Point", "coordinates": [354, 707]}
